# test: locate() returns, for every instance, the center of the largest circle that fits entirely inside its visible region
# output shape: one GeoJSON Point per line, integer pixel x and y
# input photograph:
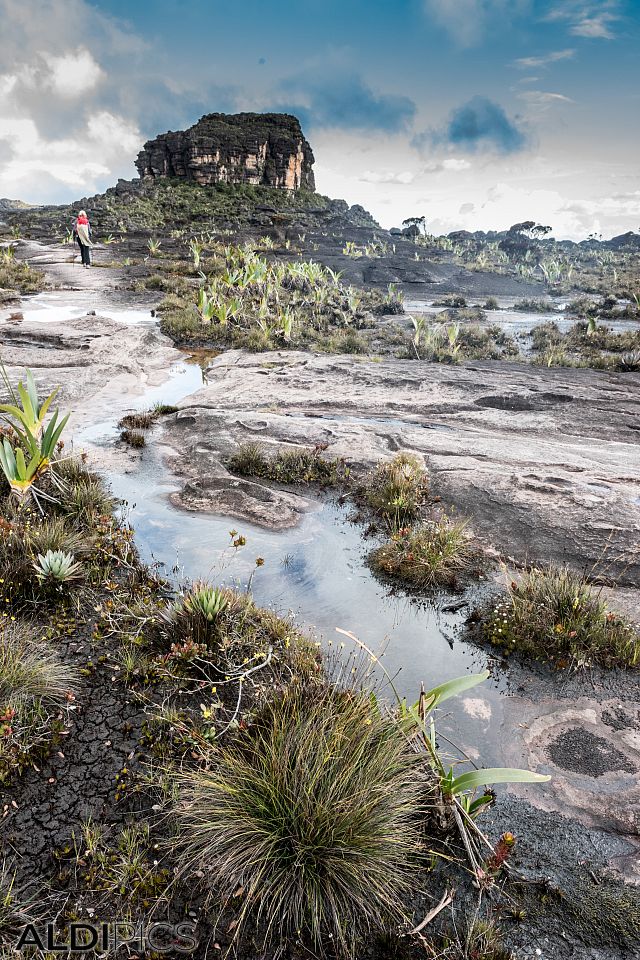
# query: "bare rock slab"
{"type": "Point", "coordinates": [545, 462]}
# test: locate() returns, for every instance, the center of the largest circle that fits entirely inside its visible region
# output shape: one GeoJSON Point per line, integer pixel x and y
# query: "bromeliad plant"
{"type": "Point", "coordinates": [31, 415]}
{"type": "Point", "coordinates": [31, 457]}
{"type": "Point", "coordinates": [206, 601]}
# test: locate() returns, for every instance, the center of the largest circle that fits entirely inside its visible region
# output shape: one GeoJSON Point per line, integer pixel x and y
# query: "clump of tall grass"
{"type": "Point", "coordinates": [436, 552]}
{"type": "Point", "coordinates": [314, 812]}
{"type": "Point", "coordinates": [293, 466]}
{"type": "Point", "coordinates": [34, 685]}
{"type": "Point", "coordinates": [554, 614]}
{"type": "Point", "coordinates": [396, 490]}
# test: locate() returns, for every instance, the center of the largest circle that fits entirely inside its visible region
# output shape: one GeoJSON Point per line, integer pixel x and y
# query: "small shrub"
{"type": "Point", "coordinates": [87, 500]}
{"type": "Point", "coordinates": [137, 421]}
{"type": "Point", "coordinates": [433, 553]}
{"type": "Point", "coordinates": [491, 304]}
{"type": "Point", "coordinates": [534, 306]}
{"type": "Point", "coordinates": [163, 409]}
{"type": "Point", "coordinates": [545, 336]}
{"type": "Point", "coordinates": [249, 461]}
{"type": "Point", "coordinates": [554, 614]}
{"type": "Point", "coordinates": [314, 812]}
{"type": "Point", "coordinates": [455, 300]}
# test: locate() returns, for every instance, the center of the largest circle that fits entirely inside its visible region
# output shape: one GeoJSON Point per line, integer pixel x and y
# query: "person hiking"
{"type": "Point", "coordinates": [82, 233]}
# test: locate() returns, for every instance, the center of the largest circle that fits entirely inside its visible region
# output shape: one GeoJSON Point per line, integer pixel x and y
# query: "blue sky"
{"type": "Point", "coordinates": [475, 113]}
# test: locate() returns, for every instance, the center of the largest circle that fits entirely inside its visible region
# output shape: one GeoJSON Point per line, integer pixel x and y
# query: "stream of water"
{"type": "Point", "coordinates": [316, 571]}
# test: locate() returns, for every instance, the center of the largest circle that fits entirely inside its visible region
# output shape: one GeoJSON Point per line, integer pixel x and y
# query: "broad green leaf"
{"type": "Point", "coordinates": [451, 688]}
{"type": "Point", "coordinates": [480, 778]}
{"type": "Point", "coordinates": [47, 403]}
{"type": "Point", "coordinates": [21, 465]}
{"type": "Point", "coordinates": [33, 393]}
{"type": "Point", "coordinates": [27, 406]}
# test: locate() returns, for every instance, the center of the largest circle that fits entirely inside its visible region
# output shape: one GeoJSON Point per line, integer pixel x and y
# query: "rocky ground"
{"type": "Point", "coordinates": [544, 462]}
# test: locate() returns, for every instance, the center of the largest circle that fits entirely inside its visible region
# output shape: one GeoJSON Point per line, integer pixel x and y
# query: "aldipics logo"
{"type": "Point", "coordinates": [157, 936]}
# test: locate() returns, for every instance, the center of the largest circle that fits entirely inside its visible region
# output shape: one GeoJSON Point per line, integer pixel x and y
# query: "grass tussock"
{"type": "Point", "coordinates": [288, 466]}
{"type": "Point", "coordinates": [313, 813]}
{"type": "Point", "coordinates": [35, 686]}
{"type": "Point", "coordinates": [554, 614]}
{"type": "Point", "coordinates": [133, 438]}
{"type": "Point", "coordinates": [434, 553]}
{"type": "Point", "coordinates": [396, 490]}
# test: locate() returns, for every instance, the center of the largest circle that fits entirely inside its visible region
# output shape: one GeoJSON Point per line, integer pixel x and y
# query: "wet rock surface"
{"type": "Point", "coordinates": [545, 461]}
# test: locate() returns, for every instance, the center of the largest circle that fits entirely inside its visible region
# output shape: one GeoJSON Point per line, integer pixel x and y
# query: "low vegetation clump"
{"type": "Point", "coordinates": [288, 466]}
{"type": "Point", "coordinates": [396, 490]}
{"type": "Point", "coordinates": [534, 306]}
{"type": "Point", "coordinates": [455, 300]}
{"type": "Point", "coordinates": [455, 342]}
{"type": "Point", "coordinates": [35, 689]}
{"type": "Point", "coordinates": [250, 301]}
{"type": "Point", "coordinates": [18, 275]}
{"type": "Point", "coordinates": [313, 814]}
{"type": "Point", "coordinates": [133, 438]}
{"type": "Point", "coordinates": [554, 614]}
{"type": "Point", "coordinates": [434, 553]}
{"type": "Point", "coordinates": [207, 631]}
{"type": "Point", "coordinates": [119, 869]}
{"type": "Point", "coordinates": [585, 344]}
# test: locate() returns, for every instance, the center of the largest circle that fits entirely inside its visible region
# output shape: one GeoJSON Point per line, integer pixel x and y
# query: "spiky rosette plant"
{"type": "Point", "coordinates": [198, 617]}
{"type": "Point", "coordinates": [57, 567]}
{"type": "Point", "coordinates": [206, 601]}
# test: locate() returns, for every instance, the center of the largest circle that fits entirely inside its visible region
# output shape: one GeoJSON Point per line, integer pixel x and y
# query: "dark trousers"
{"type": "Point", "coordinates": [85, 252]}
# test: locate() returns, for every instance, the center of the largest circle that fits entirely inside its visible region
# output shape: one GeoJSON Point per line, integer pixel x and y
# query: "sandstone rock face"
{"type": "Point", "coordinates": [266, 149]}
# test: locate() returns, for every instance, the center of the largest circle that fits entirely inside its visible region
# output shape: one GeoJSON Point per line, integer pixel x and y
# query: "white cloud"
{"type": "Point", "coordinates": [387, 176]}
{"type": "Point", "coordinates": [467, 20]}
{"type": "Point", "coordinates": [59, 137]}
{"type": "Point", "coordinates": [452, 164]}
{"type": "Point", "coordinates": [587, 18]}
{"type": "Point", "coordinates": [543, 98]}
{"type": "Point", "coordinates": [598, 27]}
{"type": "Point", "coordinates": [74, 73]}
{"type": "Point", "coordinates": [534, 63]}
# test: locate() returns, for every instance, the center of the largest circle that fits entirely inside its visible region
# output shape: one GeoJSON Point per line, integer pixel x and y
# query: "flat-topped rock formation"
{"type": "Point", "coordinates": [267, 149]}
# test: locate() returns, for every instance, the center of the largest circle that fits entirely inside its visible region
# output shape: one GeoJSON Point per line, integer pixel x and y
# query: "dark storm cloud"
{"type": "Point", "coordinates": [479, 124]}
{"type": "Point", "coordinates": [347, 102]}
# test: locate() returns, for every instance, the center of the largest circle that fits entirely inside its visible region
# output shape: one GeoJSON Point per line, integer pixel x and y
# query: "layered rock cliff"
{"type": "Point", "coordinates": [266, 149]}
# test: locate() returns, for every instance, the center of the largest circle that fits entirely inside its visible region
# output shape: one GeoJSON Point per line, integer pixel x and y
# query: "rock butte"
{"type": "Point", "coordinates": [264, 149]}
